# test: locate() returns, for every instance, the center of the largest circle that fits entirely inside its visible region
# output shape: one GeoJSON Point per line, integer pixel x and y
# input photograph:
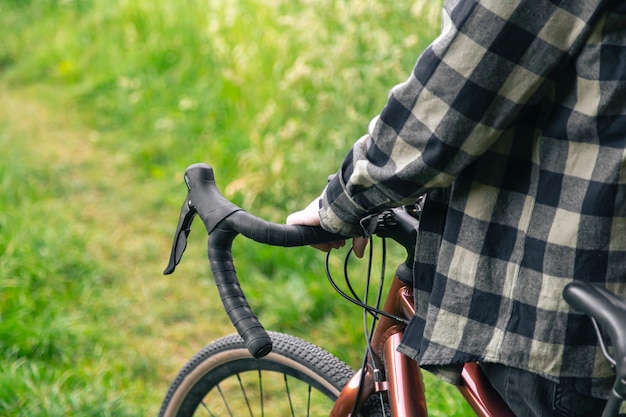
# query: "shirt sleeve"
{"type": "Point", "coordinates": [492, 60]}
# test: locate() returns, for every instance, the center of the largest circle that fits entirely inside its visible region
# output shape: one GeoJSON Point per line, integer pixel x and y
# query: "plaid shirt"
{"type": "Point", "coordinates": [514, 123]}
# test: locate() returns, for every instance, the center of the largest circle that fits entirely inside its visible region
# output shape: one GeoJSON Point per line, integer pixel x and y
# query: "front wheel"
{"type": "Point", "coordinates": [296, 379]}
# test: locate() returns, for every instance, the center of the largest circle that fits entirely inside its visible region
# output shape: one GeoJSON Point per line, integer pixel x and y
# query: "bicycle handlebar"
{"type": "Point", "coordinates": [224, 220]}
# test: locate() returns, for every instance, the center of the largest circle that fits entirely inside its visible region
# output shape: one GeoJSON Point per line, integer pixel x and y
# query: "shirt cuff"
{"type": "Point", "coordinates": [342, 215]}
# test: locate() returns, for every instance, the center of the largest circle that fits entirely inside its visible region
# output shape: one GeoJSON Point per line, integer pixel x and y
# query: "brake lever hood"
{"type": "Point", "coordinates": [203, 199]}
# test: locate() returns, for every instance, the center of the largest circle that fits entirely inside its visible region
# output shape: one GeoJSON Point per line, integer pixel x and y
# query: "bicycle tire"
{"type": "Point", "coordinates": [224, 368]}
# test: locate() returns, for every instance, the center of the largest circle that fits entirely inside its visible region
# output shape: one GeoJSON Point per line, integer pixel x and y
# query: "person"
{"type": "Point", "coordinates": [513, 124]}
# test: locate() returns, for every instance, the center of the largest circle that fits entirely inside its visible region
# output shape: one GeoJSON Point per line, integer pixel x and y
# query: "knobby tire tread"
{"type": "Point", "coordinates": [318, 361]}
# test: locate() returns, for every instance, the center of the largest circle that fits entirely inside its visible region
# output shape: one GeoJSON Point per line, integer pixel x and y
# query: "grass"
{"type": "Point", "coordinates": [104, 105]}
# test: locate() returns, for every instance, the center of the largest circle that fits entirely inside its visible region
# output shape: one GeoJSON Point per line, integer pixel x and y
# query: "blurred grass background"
{"type": "Point", "coordinates": [104, 104]}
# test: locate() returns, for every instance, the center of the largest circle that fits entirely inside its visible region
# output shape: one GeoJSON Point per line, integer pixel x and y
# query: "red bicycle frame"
{"type": "Point", "coordinates": [403, 384]}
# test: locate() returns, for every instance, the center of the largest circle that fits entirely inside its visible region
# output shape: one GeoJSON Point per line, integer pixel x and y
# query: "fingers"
{"type": "Point", "coordinates": [325, 247]}
{"type": "Point", "coordinates": [358, 246]}
{"type": "Point", "coordinates": [310, 217]}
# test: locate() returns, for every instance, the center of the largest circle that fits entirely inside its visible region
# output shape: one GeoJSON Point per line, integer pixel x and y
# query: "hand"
{"type": "Point", "coordinates": [310, 217]}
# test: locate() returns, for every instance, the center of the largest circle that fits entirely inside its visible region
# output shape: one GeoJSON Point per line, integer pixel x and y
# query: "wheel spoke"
{"type": "Point", "coordinates": [206, 407]}
{"type": "Point", "coordinates": [261, 393]}
{"type": "Point", "coordinates": [224, 401]}
{"type": "Point", "coordinates": [293, 414]}
{"type": "Point", "coordinates": [292, 380]}
{"type": "Point", "coordinates": [245, 396]}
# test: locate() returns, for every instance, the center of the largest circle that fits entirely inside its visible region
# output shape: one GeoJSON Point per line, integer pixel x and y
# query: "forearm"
{"type": "Point", "coordinates": [466, 89]}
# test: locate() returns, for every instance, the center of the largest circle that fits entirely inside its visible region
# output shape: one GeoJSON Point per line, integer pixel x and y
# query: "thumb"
{"type": "Point", "coordinates": [309, 216]}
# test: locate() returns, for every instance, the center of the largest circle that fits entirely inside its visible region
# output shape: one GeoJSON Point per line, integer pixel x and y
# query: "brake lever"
{"type": "Point", "coordinates": [187, 214]}
{"type": "Point", "coordinates": [204, 199]}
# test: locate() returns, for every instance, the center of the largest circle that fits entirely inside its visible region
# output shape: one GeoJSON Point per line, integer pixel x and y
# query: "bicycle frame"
{"type": "Point", "coordinates": [403, 385]}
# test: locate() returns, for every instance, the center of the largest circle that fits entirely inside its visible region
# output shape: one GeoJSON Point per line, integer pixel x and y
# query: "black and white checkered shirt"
{"type": "Point", "coordinates": [514, 122]}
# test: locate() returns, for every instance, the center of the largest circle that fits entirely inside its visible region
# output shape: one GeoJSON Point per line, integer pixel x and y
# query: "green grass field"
{"type": "Point", "coordinates": [104, 104]}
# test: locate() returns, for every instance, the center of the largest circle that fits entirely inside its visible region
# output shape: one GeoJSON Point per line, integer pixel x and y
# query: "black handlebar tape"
{"type": "Point", "coordinates": [223, 220]}
{"type": "Point", "coordinates": [241, 315]}
{"type": "Point", "coordinates": [275, 234]}
{"type": "Point", "coordinates": [213, 208]}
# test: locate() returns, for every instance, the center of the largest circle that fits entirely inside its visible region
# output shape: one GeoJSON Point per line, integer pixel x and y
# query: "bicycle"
{"type": "Point", "coordinates": [259, 373]}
